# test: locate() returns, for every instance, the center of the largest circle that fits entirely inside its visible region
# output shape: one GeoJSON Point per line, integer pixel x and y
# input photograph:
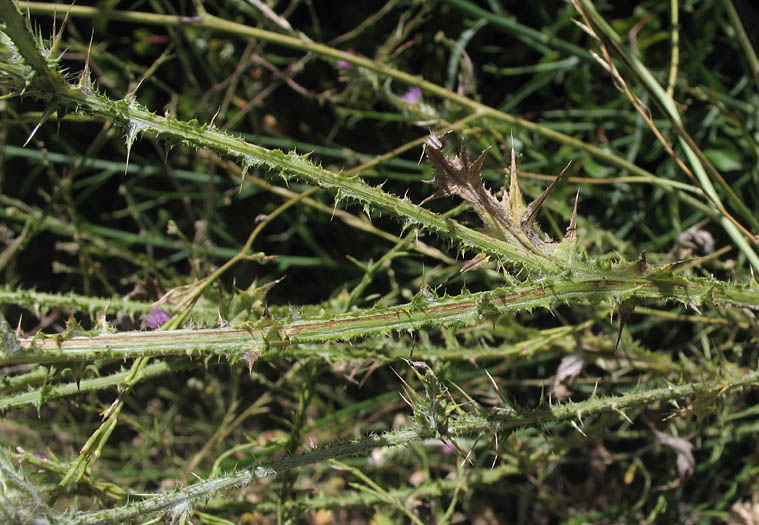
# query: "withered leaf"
{"type": "Point", "coordinates": [745, 512]}
{"type": "Point", "coordinates": [686, 463]}
{"type": "Point", "coordinates": [508, 219]}
{"type": "Point", "coordinates": [569, 368]}
{"type": "Point", "coordinates": [457, 176]}
{"type": "Point", "coordinates": [148, 289]}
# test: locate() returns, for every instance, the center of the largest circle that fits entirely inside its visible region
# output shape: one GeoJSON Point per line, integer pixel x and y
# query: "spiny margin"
{"type": "Point", "coordinates": [495, 420]}
{"type": "Point", "coordinates": [236, 343]}
{"type": "Point", "coordinates": [136, 119]}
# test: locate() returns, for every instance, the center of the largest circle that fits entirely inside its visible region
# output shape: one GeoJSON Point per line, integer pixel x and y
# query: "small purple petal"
{"type": "Point", "coordinates": [157, 318]}
{"type": "Point", "coordinates": [413, 95]}
{"type": "Point", "coordinates": [342, 64]}
{"type": "Point", "coordinates": [449, 448]}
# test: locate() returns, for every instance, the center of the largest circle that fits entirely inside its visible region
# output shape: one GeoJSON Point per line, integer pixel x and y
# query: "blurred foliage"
{"type": "Point", "coordinates": [76, 219]}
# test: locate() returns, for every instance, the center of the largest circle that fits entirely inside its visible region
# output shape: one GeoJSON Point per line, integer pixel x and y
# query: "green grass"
{"type": "Point", "coordinates": [342, 348]}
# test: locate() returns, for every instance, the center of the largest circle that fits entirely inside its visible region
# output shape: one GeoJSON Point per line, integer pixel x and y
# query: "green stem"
{"type": "Point", "coordinates": [743, 39]}
{"type": "Point", "coordinates": [276, 335]}
{"type": "Point", "coordinates": [41, 395]}
{"type": "Point", "coordinates": [71, 302]}
{"type": "Point", "coordinates": [496, 420]}
{"type": "Point", "coordinates": [15, 25]}
{"type": "Point", "coordinates": [696, 158]}
{"type": "Point", "coordinates": [524, 33]}
{"type": "Point", "coordinates": [206, 21]}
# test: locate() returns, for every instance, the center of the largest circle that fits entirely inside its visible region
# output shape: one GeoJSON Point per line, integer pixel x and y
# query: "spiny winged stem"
{"type": "Point", "coordinates": [136, 119]}
{"type": "Point", "coordinates": [240, 342]}
{"type": "Point", "coordinates": [495, 420]}
{"type": "Point", "coordinates": [192, 293]}
{"type": "Point", "coordinates": [509, 235]}
{"type": "Point", "coordinates": [208, 21]}
{"type": "Point", "coordinates": [99, 438]}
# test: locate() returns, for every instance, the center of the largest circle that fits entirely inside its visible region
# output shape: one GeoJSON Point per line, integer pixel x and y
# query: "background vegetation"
{"type": "Point", "coordinates": [241, 181]}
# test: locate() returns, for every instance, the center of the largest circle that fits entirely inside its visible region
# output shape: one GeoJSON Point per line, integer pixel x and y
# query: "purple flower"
{"type": "Point", "coordinates": [413, 95]}
{"type": "Point", "coordinates": [342, 64]}
{"type": "Point", "coordinates": [157, 318]}
{"type": "Point", "coordinates": [449, 448]}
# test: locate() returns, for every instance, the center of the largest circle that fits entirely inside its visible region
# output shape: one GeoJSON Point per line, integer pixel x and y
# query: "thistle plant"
{"type": "Point", "coordinates": [431, 342]}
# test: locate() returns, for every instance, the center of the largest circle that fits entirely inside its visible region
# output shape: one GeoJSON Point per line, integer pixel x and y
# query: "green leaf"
{"type": "Point", "coordinates": [724, 160]}
{"type": "Point", "coordinates": [596, 170]}
{"type": "Point", "coordinates": [9, 343]}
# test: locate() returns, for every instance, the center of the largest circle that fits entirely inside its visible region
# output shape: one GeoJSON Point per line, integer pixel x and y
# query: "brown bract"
{"type": "Point", "coordinates": [508, 219]}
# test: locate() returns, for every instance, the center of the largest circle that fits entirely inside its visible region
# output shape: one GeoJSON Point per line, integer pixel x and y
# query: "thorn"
{"type": "Point", "coordinates": [433, 141]}
{"type": "Point", "coordinates": [641, 265]}
{"type": "Point", "coordinates": [466, 458]}
{"type": "Point", "coordinates": [436, 195]}
{"type": "Point", "coordinates": [59, 37]}
{"type": "Point", "coordinates": [495, 456]}
{"type": "Point", "coordinates": [515, 194]}
{"type": "Point", "coordinates": [626, 309]}
{"type": "Point", "coordinates": [407, 401]}
{"type": "Point", "coordinates": [622, 413]}
{"type": "Point", "coordinates": [619, 332]}
{"type": "Point", "coordinates": [476, 166]}
{"type": "Point", "coordinates": [431, 137]}
{"type": "Point", "coordinates": [495, 385]}
{"type": "Point", "coordinates": [131, 133]}
{"type": "Point", "coordinates": [210, 124]}
{"type": "Point", "coordinates": [463, 154]}
{"type": "Point", "coordinates": [85, 80]}
{"type": "Point", "coordinates": [578, 428]}
{"type": "Point", "coordinates": [477, 261]}
{"type": "Point", "coordinates": [55, 20]}
{"type": "Point", "coordinates": [532, 209]}
{"type": "Point", "coordinates": [45, 116]}
{"type": "Point", "coordinates": [572, 229]}
{"type": "Point", "coordinates": [133, 92]}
